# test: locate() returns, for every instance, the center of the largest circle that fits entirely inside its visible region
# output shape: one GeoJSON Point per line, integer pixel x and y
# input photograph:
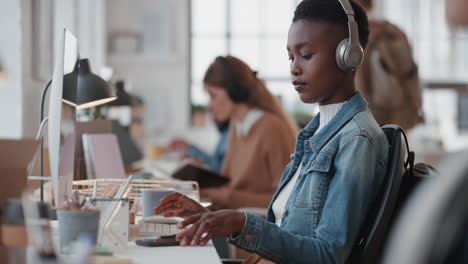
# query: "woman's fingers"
{"type": "Point", "coordinates": [187, 235]}
{"type": "Point", "coordinates": [167, 206]}
{"type": "Point", "coordinates": [180, 213]}
{"type": "Point", "coordinates": [206, 239]}
{"type": "Point", "coordinates": [189, 220]}
{"type": "Point", "coordinates": [203, 228]}
{"type": "Point", "coordinates": [171, 197]}
{"type": "Point", "coordinates": [182, 234]}
{"type": "Point", "coordinates": [172, 214]}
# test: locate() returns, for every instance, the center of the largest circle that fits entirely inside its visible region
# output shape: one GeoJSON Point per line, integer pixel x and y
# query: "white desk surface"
{"type": "Point", "coordinates": [173, 254]}
{"type": "Point", "coordinates": [153, 255]}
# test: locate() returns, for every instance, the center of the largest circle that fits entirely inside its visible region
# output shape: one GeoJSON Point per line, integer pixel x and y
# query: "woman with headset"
{"type": "Point", "coordinates": [340, 158]}
{"type": "Point", "coordinates": [261, 136]}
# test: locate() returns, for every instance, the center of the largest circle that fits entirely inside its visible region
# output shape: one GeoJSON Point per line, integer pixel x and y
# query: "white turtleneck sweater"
{"type": "Point", "coordinates": [327, 112]}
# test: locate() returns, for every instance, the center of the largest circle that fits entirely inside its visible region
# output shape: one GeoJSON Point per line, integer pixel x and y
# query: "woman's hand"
{"type": "Point", "coordinates": [178, 145]}
{"type": "Point", "coordinates": [220, 223]}
{"type": "Point", "coordinates": [177, 204]}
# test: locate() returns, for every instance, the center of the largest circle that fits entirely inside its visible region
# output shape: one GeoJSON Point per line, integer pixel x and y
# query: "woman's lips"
{"type": "Point", "coordinates": [299, 86]}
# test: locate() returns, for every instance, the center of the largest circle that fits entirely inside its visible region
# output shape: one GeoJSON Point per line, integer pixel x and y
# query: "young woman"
{"type": "Point", "coordinates": [338, 166]}
{"type": "Point", "coordinates": [261, 136]}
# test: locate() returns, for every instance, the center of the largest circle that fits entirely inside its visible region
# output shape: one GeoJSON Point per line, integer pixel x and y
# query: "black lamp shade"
{"type": "Point", "coordinates": [83, 89]}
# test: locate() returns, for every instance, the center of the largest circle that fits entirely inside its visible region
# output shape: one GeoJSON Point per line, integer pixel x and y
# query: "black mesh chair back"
{"type": "Point", "coordinates": [370, 242]}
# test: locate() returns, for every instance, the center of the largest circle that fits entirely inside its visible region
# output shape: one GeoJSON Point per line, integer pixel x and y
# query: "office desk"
{"type": "Point", "coordinates": [153, 255]}
{"type": "Point", "coordinates": [173, 255]}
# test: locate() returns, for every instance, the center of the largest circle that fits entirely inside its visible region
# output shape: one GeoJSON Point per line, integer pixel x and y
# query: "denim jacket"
{"type": "Point", "coordinates": [343, 169]}
{"type": "Point", "coordinates": [213, 162]}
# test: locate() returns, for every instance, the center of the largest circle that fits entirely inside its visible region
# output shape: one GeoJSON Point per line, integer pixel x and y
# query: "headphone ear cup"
{"type": "Point", "coordinates": [341, 55]}
{"type": "Point", "coordinates": [237, 93]}
{"type": "Point", "coordinates": [231, 91]}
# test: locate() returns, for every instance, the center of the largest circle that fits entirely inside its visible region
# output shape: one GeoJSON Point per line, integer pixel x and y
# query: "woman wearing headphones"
{"type": "Point", "coordinates": [261, 134]}
{"type": "Point", "coordinates": [340, 158]}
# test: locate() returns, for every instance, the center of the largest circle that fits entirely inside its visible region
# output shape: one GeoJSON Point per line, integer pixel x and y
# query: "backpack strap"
{"type": "Point", "coordinates": [409, 163]}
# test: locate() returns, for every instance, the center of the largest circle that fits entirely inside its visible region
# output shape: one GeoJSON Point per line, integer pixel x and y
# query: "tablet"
{"type": "Point", "coordinates": [157, 242]}
{"type": "Point", "coordinates": [204, 177]}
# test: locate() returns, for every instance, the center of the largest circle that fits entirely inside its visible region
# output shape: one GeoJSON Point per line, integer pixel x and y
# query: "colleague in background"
{"type": "Point", "coordinates": [261, 136]}
{"type": "Point", "coordinates": [213, 161]}
{"type": "Point", "coordinates": [388, 77]}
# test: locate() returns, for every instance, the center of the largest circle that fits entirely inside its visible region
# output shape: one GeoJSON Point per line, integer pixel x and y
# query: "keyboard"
{"type": "Point", "coordinates": [156, 225]}
{"type": "Point", "coordinates": [156, 229]}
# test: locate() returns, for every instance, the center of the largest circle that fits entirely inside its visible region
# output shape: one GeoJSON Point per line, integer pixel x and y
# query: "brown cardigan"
{"type": "Point", "coordinates": [254, 163]}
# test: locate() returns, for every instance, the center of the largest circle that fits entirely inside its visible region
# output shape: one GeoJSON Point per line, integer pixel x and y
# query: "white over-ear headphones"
{"type": "Point", "coordinates": [349, 53]}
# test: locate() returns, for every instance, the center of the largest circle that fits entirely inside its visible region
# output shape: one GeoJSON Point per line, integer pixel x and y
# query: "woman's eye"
{"type": "Point", "coordinates": [307, 57]}
{"type": "Point", "coordinates": [291, 58]}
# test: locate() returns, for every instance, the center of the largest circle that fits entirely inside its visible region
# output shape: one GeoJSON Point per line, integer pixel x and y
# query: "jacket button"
{"type": "Point", "coordinates": [285, 213]}
{"type": "Point", "coordinates": [248, 238]}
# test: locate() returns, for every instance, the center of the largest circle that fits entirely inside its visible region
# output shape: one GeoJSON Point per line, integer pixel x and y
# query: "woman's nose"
{"type": "Point", "coordinates": [294, 68]}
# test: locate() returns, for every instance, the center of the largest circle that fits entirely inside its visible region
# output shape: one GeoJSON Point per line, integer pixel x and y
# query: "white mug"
{"type": "Point", "coordinates": [150, 198]}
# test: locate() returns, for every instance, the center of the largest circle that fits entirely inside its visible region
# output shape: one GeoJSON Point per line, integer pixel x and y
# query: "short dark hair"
{"type": "Point", "coordinates": [331, 11]}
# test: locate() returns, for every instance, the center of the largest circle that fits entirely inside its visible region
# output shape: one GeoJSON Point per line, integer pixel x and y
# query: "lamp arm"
{"type": "Point", "coordinates": [39, 135]}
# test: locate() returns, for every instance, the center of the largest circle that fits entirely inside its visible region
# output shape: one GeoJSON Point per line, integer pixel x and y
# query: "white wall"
{"type": "Point", "coordinates": [16, 92]}
{"type": "Point", "coordinates": [93, 26]}
{"type": "Point", "coordinates": [32, 84]}
{"type": "Point", "coordinates": [86, 20]}
{"type": "Point", "coordinates": [10, 56]}
{"type": "Point", "coordinates": [25, 44]}
{"type": "Point", "coordinates": [160, 77]}
{"type": "Point", "coordinates": [90, 16]}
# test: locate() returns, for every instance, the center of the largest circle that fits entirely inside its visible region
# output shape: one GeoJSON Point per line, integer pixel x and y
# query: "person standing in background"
{"type": "Point", "coordinates": [388, 77]}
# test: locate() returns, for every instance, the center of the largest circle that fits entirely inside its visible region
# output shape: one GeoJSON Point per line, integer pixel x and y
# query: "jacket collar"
{"type": "Point", "coordinates": [356, 104]}
{"type": "Point", "coordinates": [243, 127]}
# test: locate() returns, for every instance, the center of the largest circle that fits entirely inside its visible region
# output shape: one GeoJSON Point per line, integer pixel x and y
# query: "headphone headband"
{"type": "Point", "coordinates": [349, 53]}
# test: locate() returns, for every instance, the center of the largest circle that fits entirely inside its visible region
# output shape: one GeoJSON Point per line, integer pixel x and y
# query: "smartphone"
{"type": "Point", "coordinates": [162, 241]}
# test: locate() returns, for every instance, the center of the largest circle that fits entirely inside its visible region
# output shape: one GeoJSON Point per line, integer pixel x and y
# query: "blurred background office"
{"type": "Point", "coordinates": [154, 53]}
{"type": "Point", "coordinates": [158, 50]}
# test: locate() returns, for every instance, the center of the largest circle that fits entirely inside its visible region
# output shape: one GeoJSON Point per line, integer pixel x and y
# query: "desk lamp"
{"type": "Point", "coordinates": [123, 98]}
{"type": "Point", "coordinates": [121, 109]}
{"type": "Point", "coordinates": [82, 89]}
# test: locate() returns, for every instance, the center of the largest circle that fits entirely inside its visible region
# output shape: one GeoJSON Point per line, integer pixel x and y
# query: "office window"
{"type": "Point", "coordinates": [253, 30]}
{"type": "Point", "coordinates": [441, 52]}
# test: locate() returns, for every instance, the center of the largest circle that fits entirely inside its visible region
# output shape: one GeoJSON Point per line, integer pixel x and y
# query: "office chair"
{"type": "Point", "coordinates": [433, 227]}
{"type": "Point", "coordinates": [370, 242]}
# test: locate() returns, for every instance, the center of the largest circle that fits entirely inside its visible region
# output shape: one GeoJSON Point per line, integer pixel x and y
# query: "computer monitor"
{"type": "Point", "coordinates": [61, 126]}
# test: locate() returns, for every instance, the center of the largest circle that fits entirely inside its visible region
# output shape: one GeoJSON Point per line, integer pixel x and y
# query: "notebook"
{"type": "Point", "coordinates": [102, 156]}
